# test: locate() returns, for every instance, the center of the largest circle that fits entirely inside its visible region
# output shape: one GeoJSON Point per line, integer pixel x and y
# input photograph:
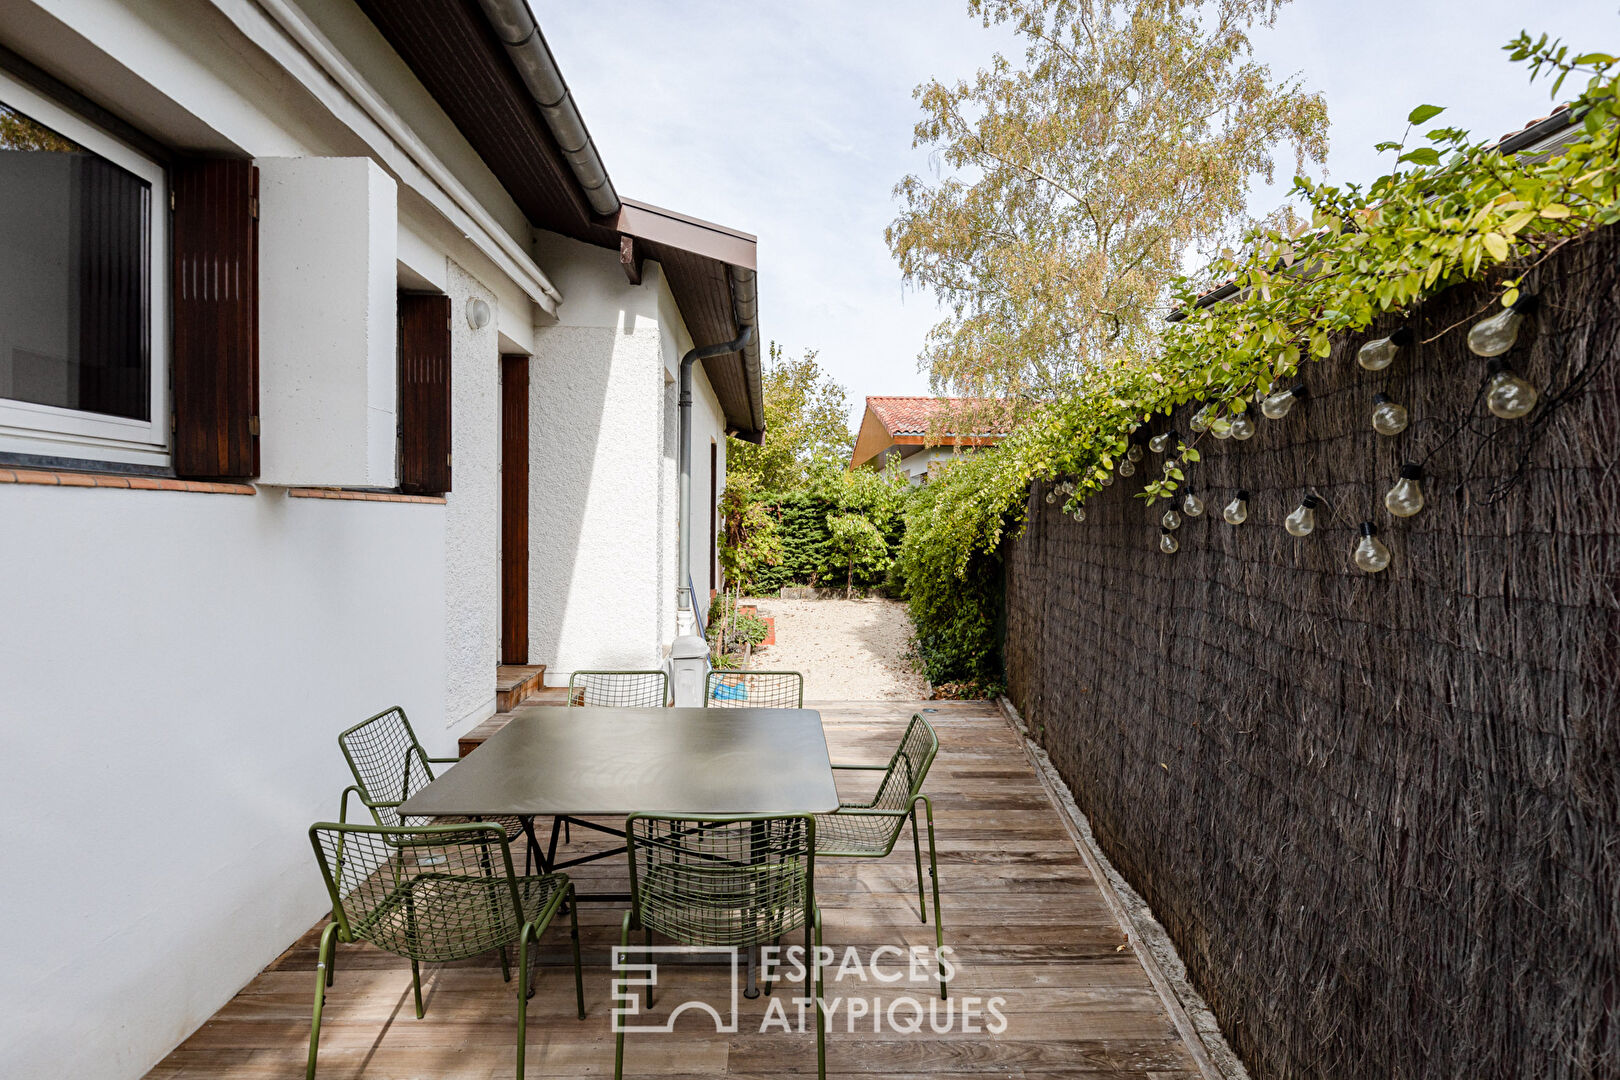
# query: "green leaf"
{"type": "Point", "coordinates": [1424, 113]}
{"type": "Point", "coordinates": [1423, 155]}
{"type": "Point", "coordinates": [1497, 245]}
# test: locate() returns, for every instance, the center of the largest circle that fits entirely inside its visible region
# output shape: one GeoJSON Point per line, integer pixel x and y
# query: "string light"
{"type": "Point", "coordinates": [1277, 405]}
{"type": "Point", "coordinates": [1167, 542]}
{"type": "Point", "coordinates": [1220, 427]}
{"type": "Point", "coordinates": [1378, 355]}
{"type": "Point", "coordinates": [1051, 496]}
{"type": "Point", "coordinates": [1495, 335]}
{"type": "Point", "coordinates": [1406, 497]}
{"type": "Point", "coordinates": [1106, 480]}
{"type": "Point", "coordinates": [1242, 427]}
{"type": "Point", "coordinates": [1127, 467]}
{"type": "Point", "coordinates": [1237, 511]}
{"type": "Point", "coordinates": [1192, 505]}
{"type": "Point", "coordinates": [1171, 519]}
{"type": "Point", "coordinates": [1507, 394]}
{"type": "Point", "coordinates": [1371, 555]}
{"type": "Point", "coordinates": [1200, 421]}
{"type": "Point", "coordinates": [1388, 418]}
{"type": "Point", "coordinates": [1079, 512]}
{"type": "Point", "coordinates": [1303, 519]}
{"type": "Point", "coordinates": [1162, 441]}
{"type": "Point", "coordinates": [1134, 453]}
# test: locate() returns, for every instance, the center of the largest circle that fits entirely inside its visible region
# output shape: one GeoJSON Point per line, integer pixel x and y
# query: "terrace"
{"type": "Point", "coordinates": [1026, 917]}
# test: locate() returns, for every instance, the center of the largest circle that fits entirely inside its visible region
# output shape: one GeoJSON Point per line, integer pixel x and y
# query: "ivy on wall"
{"type": "Point", "coordinates": [1450, 210]}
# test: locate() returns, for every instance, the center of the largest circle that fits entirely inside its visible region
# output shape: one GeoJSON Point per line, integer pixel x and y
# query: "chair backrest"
{"type": "Point", "coordinates": [753, 690]}
{"type": "Point", "coordinates": [619, 689]}
{"type": "Point", "coordinates": [908, 767]}
{"type": "Point", "coordinates": [721, 881]}
{"type": "Point", "coordinates": [433, 892]}
{"type": "Point", "coordinates": [388, 763]}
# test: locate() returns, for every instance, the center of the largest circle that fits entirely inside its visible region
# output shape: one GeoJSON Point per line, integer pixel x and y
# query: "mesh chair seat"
{"type": "Point", "coordinates": [396, 924]}
{"type": "Point", "coordinates": [619, 689]}
{"type": "Point", "coordinates": [857, 834]}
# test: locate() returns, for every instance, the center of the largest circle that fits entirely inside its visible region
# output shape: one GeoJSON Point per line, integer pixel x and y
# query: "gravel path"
{"type": "Point", "coordinates": [849, 650]}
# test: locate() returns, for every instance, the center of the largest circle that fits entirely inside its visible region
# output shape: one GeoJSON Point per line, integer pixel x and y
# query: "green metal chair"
{"type": "Point", "coordinates": [389, 766]}
{"type": "Point", "coordinates": [433, 894]}
{"type": "Point", "coordinates": [870, 829]}
{"type": "Point", "coordinates": [729, 882]}
{"type": "Point", "coordinates": [753, 690]}
{"type": "Point", "coordinates": [619, 689]}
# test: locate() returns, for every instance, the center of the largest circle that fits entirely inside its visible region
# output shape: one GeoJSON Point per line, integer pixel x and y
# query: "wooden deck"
{"type": "Point", "coordinates": [1026, 920]}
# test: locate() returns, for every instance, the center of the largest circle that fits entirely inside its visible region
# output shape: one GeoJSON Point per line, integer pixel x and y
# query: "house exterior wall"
{"type": "Point", "coordinates": [176, 668]}
{"type": "Point", "coordinates": [603, 465]}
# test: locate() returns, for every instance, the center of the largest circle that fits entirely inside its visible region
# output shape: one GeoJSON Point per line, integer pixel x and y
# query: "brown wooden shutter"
{"type": "Point", "coordinates": [216, 319]}
{"type": "Point", "coordinates": [424, 393]}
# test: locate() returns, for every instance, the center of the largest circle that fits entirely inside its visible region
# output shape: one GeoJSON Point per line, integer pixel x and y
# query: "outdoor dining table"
{"type": "Point", "coordinates": [569, 764]}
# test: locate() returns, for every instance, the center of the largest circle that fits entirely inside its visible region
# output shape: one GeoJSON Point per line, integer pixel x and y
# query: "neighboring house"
{"type": "Point", "coordinates": [897, 429]}
{"type": "Point", "coordinates": [333, 373]}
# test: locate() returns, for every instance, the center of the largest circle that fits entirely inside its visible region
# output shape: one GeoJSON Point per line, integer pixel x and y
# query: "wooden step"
{"type": "Point", "coordinates": [514, 682]}
{"type": "Point", "coordinates": [544, 695]}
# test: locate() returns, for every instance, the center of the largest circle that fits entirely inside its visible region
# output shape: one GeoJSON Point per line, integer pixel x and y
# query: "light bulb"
{"type": "Point", "coordinates": [1242, 427]}
{"type": "Point", "coordinates": [1496, 335]}
{"type": "Point", "coordinates": [1370, 554]}
{"type": "Point", "coordinates": [1200, 421]}
{"type": "Point", "coordinates": [1507, 394]}
{"type": "Point", "coordinates": [1220, 427]}
{"type": "Point", "coordinates": [1237, 511]}
{"type": "Point", "coordinates": [1379, 354]}
{"type": "Point", "coordinates": [1051, 496]}
{"type": "Point", "coordinates": [1079, 513]}
{"type": "Point", "coordinates": [1192, 505]}
{"type": "Point", "coordinates": [1135, 452]}
{"type": "Point", "coordinates": [1162, 442]}
{"type": "Point", "coordinates": [1106, 480]}
{"type": "Point", "coordinates": [1167, 542]}
{"type": "Point", "coordinates": [1406, 497]}
{"type": "Point", "coordinates": [1277, 405]}
{"type": "Point", "coordinates": [1388, 417]}
{"type": "Point", "coordinates": [1127, 467]}
{"type": "Point", "coordinates": [1171, 519]}
{"type": "Point", "coordinates": [1303, 519]}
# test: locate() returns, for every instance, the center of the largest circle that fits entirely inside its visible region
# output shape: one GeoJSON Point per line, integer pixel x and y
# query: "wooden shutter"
{"type": "Point", "coordinates": [215, 237]}
{"type": "Point", "coordinates": [514, 509]}
{"type": "Point", "coordinates": [424, 393]}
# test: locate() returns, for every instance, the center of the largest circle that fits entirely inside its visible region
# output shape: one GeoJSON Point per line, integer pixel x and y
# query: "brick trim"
{"type": "Point", "coordinates": [362, 496]}
{"type": "Point", "coordinates": [66, 478]}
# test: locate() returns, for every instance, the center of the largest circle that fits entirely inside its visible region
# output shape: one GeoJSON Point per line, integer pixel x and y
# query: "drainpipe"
{"type": "Point", "coordinates": [526, 46]}
{"type": "Point", "coordinates": [686, 623]}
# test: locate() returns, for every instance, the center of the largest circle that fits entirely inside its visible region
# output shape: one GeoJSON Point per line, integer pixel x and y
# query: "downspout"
{"type": "Point", "coordinates": [685, 619]}
{"type": "Point", "coordinates": [526, 46]}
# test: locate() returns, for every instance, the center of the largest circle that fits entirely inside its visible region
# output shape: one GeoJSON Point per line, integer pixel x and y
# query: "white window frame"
{"type": "Point", "coordinates": [52, 431]}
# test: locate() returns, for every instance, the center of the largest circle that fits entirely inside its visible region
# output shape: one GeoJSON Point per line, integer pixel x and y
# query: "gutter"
{"type": "Point", "coordinates": [514, 24]}
{"type": "Point", "coordinates": [745, 307]}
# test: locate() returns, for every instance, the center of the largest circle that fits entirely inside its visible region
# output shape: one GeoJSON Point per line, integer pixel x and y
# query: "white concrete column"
{"type": "Point", "coordinates": [328, 373]}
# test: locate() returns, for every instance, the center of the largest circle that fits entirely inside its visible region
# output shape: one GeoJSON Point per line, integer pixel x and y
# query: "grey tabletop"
{"type": "Point", "coordinates": [601, 761]}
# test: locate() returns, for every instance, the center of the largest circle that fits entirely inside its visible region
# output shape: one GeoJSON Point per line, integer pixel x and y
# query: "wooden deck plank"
{"type": "Point", "coordinates": [1026, 920]}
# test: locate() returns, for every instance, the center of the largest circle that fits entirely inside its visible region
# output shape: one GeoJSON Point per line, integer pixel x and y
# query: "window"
{"type": "Point", "coordinates": [424, 393]}
{"type": "Point", "coordinates": [83, 285]}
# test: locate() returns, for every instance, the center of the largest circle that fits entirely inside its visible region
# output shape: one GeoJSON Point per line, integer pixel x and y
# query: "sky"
{"type": "Point", "coordinates": [792, 120]}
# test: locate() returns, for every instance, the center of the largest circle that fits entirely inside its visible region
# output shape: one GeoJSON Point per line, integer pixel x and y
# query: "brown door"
{"type": "Point", "coordinates": [514, 509]}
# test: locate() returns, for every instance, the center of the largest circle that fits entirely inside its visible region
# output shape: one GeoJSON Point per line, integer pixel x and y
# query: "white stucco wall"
{"type": "Point", "coordinates": [176, 668]}
{"type": "Point", "coordinates": [472, 521]}
{"type": "Point", "coordinates": [603, 465]}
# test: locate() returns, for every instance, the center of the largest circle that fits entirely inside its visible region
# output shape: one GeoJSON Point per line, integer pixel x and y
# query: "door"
{"type": "Point", "coordinates": [514, 509]}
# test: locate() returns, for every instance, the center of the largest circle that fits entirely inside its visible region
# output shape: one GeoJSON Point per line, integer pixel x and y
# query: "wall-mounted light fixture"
{"type": "Point", "coordinates": [477, 313]}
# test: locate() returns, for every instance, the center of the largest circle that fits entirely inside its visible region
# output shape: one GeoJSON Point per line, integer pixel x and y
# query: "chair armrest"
{"type": "Point", "coordinates": [864, 811]}
{"type": "Point", "coordinates": [877, 768]}
{"type": "Point", "coordinates": [343, 803]}
{"type": "Point", "coordinates": [443, 760]}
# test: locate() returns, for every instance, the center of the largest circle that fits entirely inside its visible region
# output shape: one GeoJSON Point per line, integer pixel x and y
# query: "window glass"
{"type": "Point", "coordinates": [75, 275]}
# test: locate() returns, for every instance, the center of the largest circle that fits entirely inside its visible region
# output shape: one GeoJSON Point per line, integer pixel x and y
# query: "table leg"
{"type": "Point", "coordinates": [534, 844]}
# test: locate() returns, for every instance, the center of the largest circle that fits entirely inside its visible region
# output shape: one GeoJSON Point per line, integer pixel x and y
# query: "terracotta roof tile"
{"type": "Point", "coordinates": [911, 415]}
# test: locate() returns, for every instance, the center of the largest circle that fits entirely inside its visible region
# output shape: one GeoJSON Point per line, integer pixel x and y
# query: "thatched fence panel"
{"type": "Point", "coordinates": [1378, 813]}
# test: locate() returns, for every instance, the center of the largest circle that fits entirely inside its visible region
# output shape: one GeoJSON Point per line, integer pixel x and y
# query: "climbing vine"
{"type": "Point", "coordinates": [1450, 210]}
